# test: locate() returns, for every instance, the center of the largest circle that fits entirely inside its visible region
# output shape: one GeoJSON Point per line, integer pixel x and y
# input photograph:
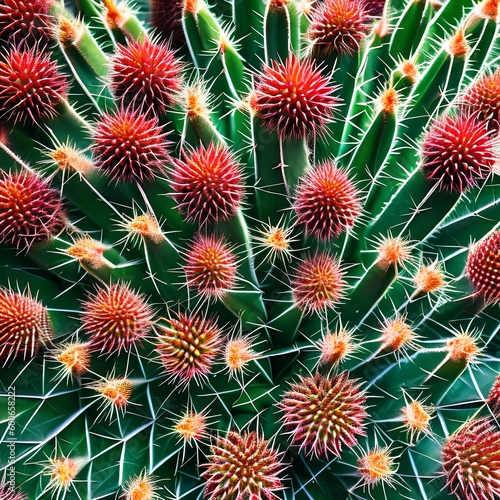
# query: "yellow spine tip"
{"type": "Point", "coordinates": [490, 9]}
{"type": "Point", "coordinates": [146, 226]}
{"type": "Point", "coordinates": [237, 354]}
{"type": "Point", "coordinates": [116, 14]}
{"type": "Point", "coordinates": [429, 279]}
{"type": "Point", "coordinates": [463, 347]}
{"type": "Point", "coordinates": [68, 158]}
{"type": "Point", "coordinates": [409, 70]}
{"type": "Point", "coordinates": [193, 6]}
{"type": "Point", "coordinates": [396, 334]}
{"type": "Point", "coordinates": [88, 252]}
{"type": "Point", "coordinates": [457, 45]}
{"type": "Point", "coordinates": [389, 101]}
{"type": "Point", "coordinates": [141, 487]}
{"type": "Point", "coordinates": [377, 466]}
{"type": "Point", "coordinates": [69, 31]}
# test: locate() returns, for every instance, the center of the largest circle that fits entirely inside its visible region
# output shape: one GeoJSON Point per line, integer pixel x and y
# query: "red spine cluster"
{"type": "Point", "coordinates": [326, 201]}
{"type": "Point", "coordinates": [471, 461]}
{"type": "Point", "coordinates": [26, 21]}
{"type": "Point", "coordinates": [324, 414]}
{"type": "Point", "coordinates": [210, 266]}
{"type": "Point", "coordinates": [242, 465]}
{"type": "Point", "coordinates": [188, 346]}
{"type": "Point", "coordinates": [145, 75]}
{"type": "Point", "coordinates": [24, 325]}
{"type": "Point", "coordinates": [116, 318]}
{"type": "Point", "coordinates": [294, 98]}
{"type": "Point", "coordinates": [458, 151]}
{"type": "Point", "coordinates": [30, 210]}
{"type": "Point", "coordinates": [483, 268]}
{"type": "Point", "coordinates": [130, 146]}
{"type": "Point", "coordinates": [31, 86]}
{"type": "Point", "coordinates": [339, 25]}
{"type": "Point", "coordinates": [208, 184]}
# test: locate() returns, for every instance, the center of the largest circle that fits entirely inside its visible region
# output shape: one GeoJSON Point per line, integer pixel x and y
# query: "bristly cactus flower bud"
{"type": "Point", "coordinates": [337, 347]}
{"type": "Point", "coordinates": [326, 201]}
{"type": "Point", "coordinates": [409, 70]}
{"type": "Point", "coordinates": [393, 251]}
{"type": "Point", "coordinates": [195, 100]}
{"type": "Point", "coordinates": [30, 211]}
{"type": "Point", "coordinates": [188, 346]}
{"type": "Point", "coordinates": [489, 9]}
{"type": "Point", "coordinates": [74, 359]}
{"type": "Point", "coordinates": [145, 75]}
{"type": "Point", "coordinates": [382, 29]}
{"type": "Point", "coordinates": [210, 266]}
{"type": "Point", "coordinates": [294, 98]}
{"type": "Point", "coordinates": [457, 44]}
{"type": "Point", "coordinates": [458, 151]}
{"type": "Point", "coordinates": [494, 398]}
{"type": "Point", "coordinates": [62, 472]}
{"type": "Point", "coordinates": [208, 184]}
{"type": "Point", "coordinates": [117, 14]}
{"type": "Point", "coordinates": [145, 227]}
{"type": "Point", "coordinates": [338, 26]}
{"type": "Point", "coordinates": [68, 31]}
{"type": "Point", "coordinates": [397, 335]}
{"type": "Point", "coordinates": [483, 268]}
{"type": "Point", "coordinates": [116, 318]}
{"type": "Point", "coordinates": [89, 253]}
{"type": "Point", "coordinates": [238, 353]}
{"type": "Point", "coordinates": [483, 99]}
{"type": "Point", "coordinates": [429, 278]}
{"type": "Point", "coordinates": [26, 21]}
{"type": "Point", "coordinates": [115, 394]}
{"type": "Point", "coordinates": [235, 453]}
{"type": "Point", "coordinates": [142, 487]}
{"type": "Point", "coordinates": [129, 146]}
{"type": "Point", "coordinates": [318, 283]}
{"type": "Point", "coordinates": [69, 159]}
{"type": "Point", "coordinates": [193, 6]}
{"type": "Point", "coordinates": [377, 466]}
{"type": "Point", "coordinates": [324, 414]}
{"type": "Point", "coordinates": [416, 418]}
{"type": "Point", "coordinates": [24, 325]}
{"type": "Point", "coordinates": [463, 347]}
{"type": "Point", "coordinates": [31, 86]}
{"type": "Point", "coordinates": [389, 101]}
{"type": "Point", "coordinates": [471, 461]}
{"type": "Point", "coordinates": [275, 241]}
{"type": "Point", "coordinates": [191, 427]}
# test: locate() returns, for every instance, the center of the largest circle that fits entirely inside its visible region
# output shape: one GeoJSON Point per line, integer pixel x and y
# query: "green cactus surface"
{"type": "Point", "coordinates": [249, 249]}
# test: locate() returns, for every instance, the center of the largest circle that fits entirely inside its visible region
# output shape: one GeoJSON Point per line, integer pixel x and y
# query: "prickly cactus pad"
{"type": "Point", "coordinates": [249, 250]}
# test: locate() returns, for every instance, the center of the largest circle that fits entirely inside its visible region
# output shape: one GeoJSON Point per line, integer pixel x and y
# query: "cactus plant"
{"type": "Point", "coordinates": [249, 249]}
